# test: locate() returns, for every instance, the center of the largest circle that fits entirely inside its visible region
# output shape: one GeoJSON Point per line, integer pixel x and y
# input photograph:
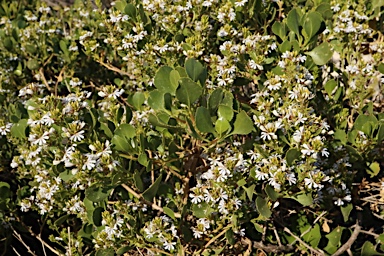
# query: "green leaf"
{"type": "Point", "coordinates": [120, 143]}
{"type": "Point", "coordinates": [280, 29]}
{"type": "Point", "coordinates": [143, 159]}
{"type": "Point", "coordinates": [201, 210]}
{"type": "Point", "coordinates": [188, 92]}
{"type": "Point", "coordinates": [105, 252]}
{"type": "Point", "coordinates": [66, 175]}
{"type": "Point", "coordinates": [169, 212]}
{"type": "Point", "coordinates": [380, 134]}
{"type": "Point", "coordinates": [304, 199]}
{"type": "Point", "coordinates": [293, 21]}
{"type": "Point", "coordinates": [362, 119]}
{"type": "Point", "coordinates": [61, 220]}
{"type": "Point", "coordinates": [250, 190]}
{"type": "Point", "coordinates": [203, 120]}
{"type": "Point", "coordinates": [18, 130]}
{"type": "Point", "coordinates": [8, 44]}
{"type": "Point", "coordinates": [222, 125]}
{"type": "Point", "coordinates": [120, 5]}
{"type": "Point", "coordinates": [346, 210]}
{"type": "Point", "coordinates": [313, 236]}
{"type": "Point", "coordinates": [225, 112]}
{"type": "Point", "coordinates": [138, 181]}
{"type": "Point", "coordinates": [334, 240]}
{"type": "Point", "coordinates": [292, 155]}
{"type": "Point", "coordinates": [96, 216]}
{"type": "Point", "coordinates": [374, 169]}
{"type": "Point", "coordinates": [341, 136]}
{"type": "Point", "coordinates": [312, 24]}
{"type": "Point", "coordinates": [330, 86]}
{"type": "Point", "coordinates": [271, 192]}
{"type": "Point", "coordinates": [230, 236]}
{"type": "Point", "coordinates": [321, 54]}
{"type": "Point", "coordinates": [138, 100]}
{"type": "Point", "coordinates": [156, 100]}
{"type": "Point", "coordinates": [381, 68]}
{"type": "Point", "coordinates": [262, 207]}
{"type": "Point", "coordinates": [33, 64]}
{"type": "Point", "coordinates": [123, 250]}
{"type": "Point", "coordinates": [104, 127]}
{"type": "Point", "coordinates": [130, 10]}
{"type": "Point", "coordinates": [243, 124]}
{"type": "Point", "coordinates": [194, 69]}
{"type": "Point", "coordinates": [215, 98]}
{"type": "Point", "coordinates": [369, 249]}
{"type": "Point", "coordinates": [126, 131]}
{"type": "Point", "coordinates": [97, 193]}
{"type": "Point", "coordinates": [174, 78]}
{"type": "Point", "coordinates": [151, 192]}
{"type": "Point", "coordinates": [163, 80]}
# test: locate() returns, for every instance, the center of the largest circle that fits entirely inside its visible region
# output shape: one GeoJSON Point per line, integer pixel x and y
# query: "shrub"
{"type": "Point", "coordinates": [192, 127]}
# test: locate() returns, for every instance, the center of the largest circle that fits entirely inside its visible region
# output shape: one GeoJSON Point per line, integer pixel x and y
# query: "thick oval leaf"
{"type": "Point", "coordinates": [151, 192]}
{"type": "Point", "coordinates": [280, 29]}
{"type": "Point", "coordinates": [330, 86]}
{"type": "Point", "coordinates": [293, 21]}
{"type": "Point", "coordinates": [222, 125]}
{"type": "Point", "coordinates": [292, 155]}
{"type": "Point", "coordinates": [203, 120]}
{"type": "Point", "coordinates": [163, 80]}
{"type": "Point", "coordinates": [138, 99]}
{"type": "Point", "coordinates": [243, 124]}
{"type": "Point", "coordinates": [188, 92]}
{"type": "Point", "coordinates": [156, 99]}
{"type": "Point", "coordinates": [346, 210]}
{"type": "Point", "coordinates": [304, 199]}
{"type": "Point", "coordinates": [169, 212]}
{"type": "Point", "coordinates": [130, 10]}
{"type": "Point", "coordinates": [225, 112]}
{"type": "Point", "coordinates": [18, 130]}
{"type": "Point", "coordinates": [215, 98]}
{"type": "Point", "coordinates": [194, 69]}
{"type": "Point", "coordinates": [174, 78]}
{"type": "Point", "coordinates": [120, 143]}
{"type": "Point", "coordinates": [126, 131]}
{"type": "Point", "coordinates": [262, 207]}
{"type": "Point", "coordinates": [105, 252]}
{"type": "Point", "coordinates": [321, 54]}
{"type": "Point", "coordinates": [312, 23]}
{"type": "Point", "coordinates": [97, 193]}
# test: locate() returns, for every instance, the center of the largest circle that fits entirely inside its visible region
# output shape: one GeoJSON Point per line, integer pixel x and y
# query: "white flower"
{"type": "Point", "coordinates": [169, 245]}
{"type": "Point", "coordinates": [261, 175]}
{"type": "Point", "coordinates": [79, 136]}
{"type": "Point", "coordinates": [291, 178]}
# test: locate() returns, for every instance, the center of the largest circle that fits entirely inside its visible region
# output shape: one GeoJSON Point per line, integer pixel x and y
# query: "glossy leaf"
{"type": "Point", "coordinates": [346, 210]}
{"type": "Point", "coordinates": [321, 54]}
{"type": "Point", "coordinates": [262, 207]}
{"type": "Point", "coordinates": [292, 155]}
{"type": "Point", "coordinates": [280, 29]}
{"type": "Point", "coordinates": [188, 92]}
{"type": "Point", "coordinates": [18, 130]}
{"type": "Point", "coordinates": [151, 192]}
{"type": "Point", "coordinates": [194, 69]}
{"type": "Point", "coordinates": [156, 100]}
{"type": "Point", "coordinates": [203, 120]}
{"type": "Point", "coordinates": [222, 125]}
{"type": "Point", "coordinates": [312, 23]}
{"type": "Point", "coordinates": [293, 21]}
{"type": "Point", "coordinates": [243, 124]}
{"type": "Point", "coordinates": [163, 80]}
{"type": "Point", "coordinates": [97, 193]}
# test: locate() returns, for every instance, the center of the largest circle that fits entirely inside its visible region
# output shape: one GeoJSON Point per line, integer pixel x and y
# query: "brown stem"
{"type": "Point", "coordinates": [350, 241]}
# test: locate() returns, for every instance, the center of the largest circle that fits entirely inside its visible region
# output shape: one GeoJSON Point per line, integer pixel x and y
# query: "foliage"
{"type": "Point", "coordinates": [192, 127]}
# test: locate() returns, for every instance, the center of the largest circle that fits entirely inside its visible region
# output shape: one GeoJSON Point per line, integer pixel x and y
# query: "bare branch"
{"type": "Point", "coordinates": [350, 241]}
